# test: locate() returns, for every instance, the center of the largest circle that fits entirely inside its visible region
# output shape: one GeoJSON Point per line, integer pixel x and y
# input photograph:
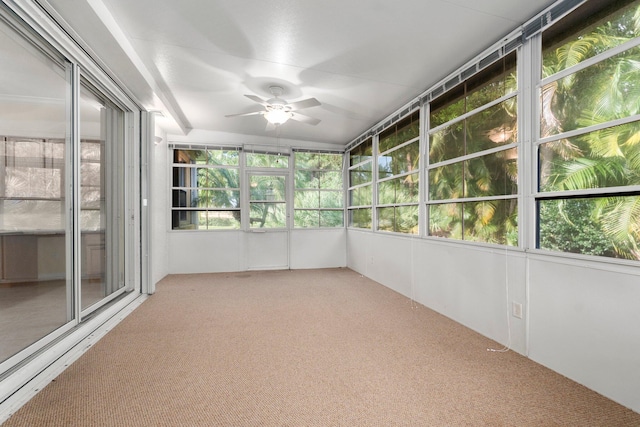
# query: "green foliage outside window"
{"type": "Point", "coordinates": [606, 158]}
{"type": "Point", "coordinates": [398, 176]}
{"type": "Point", "coordinates": [476, 174]}
{"type": "Point", "coordinates": [319, 197]}
{"type": "Point", "coordinates": [205, 189]}
{"type": "Point", "coordinates": [360, 185]}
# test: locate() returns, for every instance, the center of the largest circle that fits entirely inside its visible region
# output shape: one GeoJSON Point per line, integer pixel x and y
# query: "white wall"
{"type": "Point", "coordinates": [318, 248]}
{"type": "Point", "coordinates": [224, 251]}
{"type": "Point", "coordinates": [582, 316]}
{"type": "Point", "coordinates": [158, 205]}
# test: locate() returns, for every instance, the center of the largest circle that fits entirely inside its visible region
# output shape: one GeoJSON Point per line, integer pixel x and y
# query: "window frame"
{"type": "Point", "coordinates": [517, 95]}
{"type": "Point", "coordinates": [540, 196]}
{"type": "Point", "coordinates": [236, 212]}
{"type": "Point", "coordinates": [318, 190]}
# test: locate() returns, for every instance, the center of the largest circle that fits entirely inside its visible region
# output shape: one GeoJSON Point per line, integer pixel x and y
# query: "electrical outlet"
{"type": "Point", "coordinates": [516, 310]}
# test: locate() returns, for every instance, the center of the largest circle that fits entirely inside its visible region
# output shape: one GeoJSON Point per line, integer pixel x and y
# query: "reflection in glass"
{"type": "Point", "coordinates": [361, 196]}
{"type": "Point", "coordinates": [403, 160]}
{"type": "Point", "coordinates": [360, 175]}
{"type": "Point", "coordinates": [361, 153]}
{"type": "Point", "coordinates": [489, 221]}
{"type": "Point", "coordinates": [399, 190]}
{"type": "Point", "coordinates": [360, 218]}
{"type": "Point", "coordinates": [101, 196]}
{"type": "Point", "coordinates": [36, 296]}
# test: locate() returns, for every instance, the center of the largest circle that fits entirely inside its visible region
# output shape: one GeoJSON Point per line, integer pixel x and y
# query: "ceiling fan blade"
{"type": "Point", "coordinates": [304, 119]}
{"type": "Point", "coordinates": [245, 114]}
{"type": "Point", "coordinates": [305, 103]}
{"type": "Point", "coordinates": [257, 99]}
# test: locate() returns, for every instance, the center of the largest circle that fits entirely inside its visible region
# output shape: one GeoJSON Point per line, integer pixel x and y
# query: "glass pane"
{"type": "Point", "coordinates": [399, 133]}
{"type": "Point", "coordinates": [400, 161]}
{"type": "Point", "coordinates": [446, 113]}
{"type": "Point", "coordinates": [102, 221]}
{"type": "Point", "coordinates": [307, 179]}
{"type": "Point", "coordinates": [445, 220]}
{"type": "Point", "coordinates": [492, 127]}
{"type": "Point", "coordinates": [331, 199]}
{"type": "Point", "coordinates": [332, 218]}
{"type": "Point", "coordinates": [219, 178]}
{"type": "Point", "coordinates": [563, 52]}
{"type": "Point", "coordinates": [386, 219]}
{"type": "Point", "coordinates": [446, 182]}
{"type": "Point", "coordinates": [407, 219]}
{"type": "Point", "coordinates": [331, 180]}
{"type": "Point", "coordinates": [605, 158]}
{"type": "Point", "coordinates": [492, 221]}
{"type": "Point", "coordinates": [493, 89]}
{"type": "Point", "coordinates": [257, 160]}
{"type": "Point", "coordinates": [36, 288]}
{"type": "Point", "coordinates": [318, 161]}
{"type": "Point", "coordinates": [492, 175]}
{"type": "Point", "coordinates": [360, 175]}
{"type": "Point", "coordinates": [190, 157]}
{"type": "Point", "coordinates": [360, 218]}
{"type": "Point", "coordinates": [224, 157]}
{"type": "Point", "coordinates": [604, 226]}
{"type": "Point", "coordinates": [185, 219]}
{"type": "Point", "coordinates": [306, 218]}
{"type": "Point", "coordinates": [361, 153]}
{"type": "Point", "coordinates": [215, 198]}
{"type": "Point", "coordinates": [400, 219]}
{"type": "Point", "coordinates": [222, 220]}
{"type": "Point", "coordinates": [268, 215]}
{"type": "Point", "coordinates": [307, 200]}
{"type": "Point", "coordinates": [598, 94]}
{"type": "Point", "coordinates": [267, 188]}
{"type": "Point", "coordinates": [361, 196]}
{"type": "Point", "coordinates": [494, 82]}
{"type": "Point", "coordinates": [399, 190]}
{"type": "Point", "coordinates": [447, 143]}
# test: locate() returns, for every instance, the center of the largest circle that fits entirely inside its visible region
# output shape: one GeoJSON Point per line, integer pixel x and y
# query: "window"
{"type": "Point", "coordinates": [206, 189]}
{"type": "Point", "coordinates": [588, 196]}
{"type": "Point", "coordinates": [473, 153]}
{"type": "Point", "coordinates": [361, 185]}
{"type": "Point", "coordinates": [319, 199]}
{"type": "Point", "coordinates": [398, 176]}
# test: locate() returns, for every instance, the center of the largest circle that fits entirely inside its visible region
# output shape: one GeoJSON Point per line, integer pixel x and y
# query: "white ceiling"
{"type": "Point", "coordinates": [195, 59]}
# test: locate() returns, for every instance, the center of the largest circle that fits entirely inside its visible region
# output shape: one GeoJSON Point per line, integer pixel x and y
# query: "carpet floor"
{"type": "Point", "coordinates": [304, 348]}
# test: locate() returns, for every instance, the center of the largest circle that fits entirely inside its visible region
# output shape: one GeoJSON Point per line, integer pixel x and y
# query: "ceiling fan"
{"type": "Point", "coordinates": [277, 111]}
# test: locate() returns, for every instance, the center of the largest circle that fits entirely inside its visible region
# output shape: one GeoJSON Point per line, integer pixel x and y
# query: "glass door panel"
{"type": "Point", "coordinates": [267, 201]}
{"type": "Point", "coordinates": [36, 296]}
{"type": "Point", "coordinates": [268, 239]}
{"type": "Point", "coordinates": [101, 197]}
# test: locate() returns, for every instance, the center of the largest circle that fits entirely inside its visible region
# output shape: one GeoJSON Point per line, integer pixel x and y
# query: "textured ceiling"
{"type": "Point", "coordinates": [194, 60]}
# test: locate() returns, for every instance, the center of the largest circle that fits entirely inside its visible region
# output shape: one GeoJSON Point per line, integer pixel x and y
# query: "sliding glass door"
{"type": "Point", "coordinates": [102, 177]}
{"type": "Point", "coordinates": [36, 293]}
{"type": "Point", "coordinates": [67, 194]}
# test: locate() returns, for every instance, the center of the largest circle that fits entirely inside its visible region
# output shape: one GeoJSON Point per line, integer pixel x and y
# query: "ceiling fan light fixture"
{"type": "Point", "coordinates": [277, 117]}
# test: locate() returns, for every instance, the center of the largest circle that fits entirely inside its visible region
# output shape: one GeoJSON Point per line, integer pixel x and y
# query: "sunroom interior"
{"type": "Point", "coordinates": [491, 173]}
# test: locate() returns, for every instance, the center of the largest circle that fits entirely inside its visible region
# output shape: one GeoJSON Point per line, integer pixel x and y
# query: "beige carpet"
{"type": "Point", "coordinates": [304, 348]}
